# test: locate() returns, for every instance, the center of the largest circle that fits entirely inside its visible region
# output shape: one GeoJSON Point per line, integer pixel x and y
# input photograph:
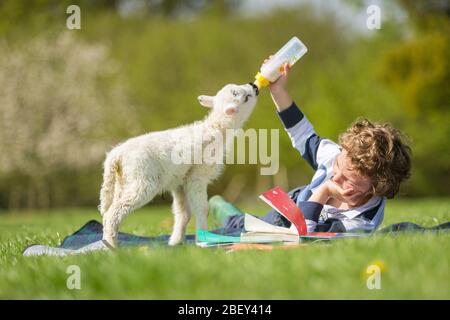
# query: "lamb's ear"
{"type": "Point", "coordinates": [206, 101]}
{"type": "Point", "coordinates": [231, 109]}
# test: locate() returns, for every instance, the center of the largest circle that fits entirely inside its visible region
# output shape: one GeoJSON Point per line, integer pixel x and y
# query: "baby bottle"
{"type": "Point", "coordinates": [293, 50]}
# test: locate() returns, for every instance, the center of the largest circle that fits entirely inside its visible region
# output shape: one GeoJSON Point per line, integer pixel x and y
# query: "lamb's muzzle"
{"type": "Point", "coordinates": [255, 88]}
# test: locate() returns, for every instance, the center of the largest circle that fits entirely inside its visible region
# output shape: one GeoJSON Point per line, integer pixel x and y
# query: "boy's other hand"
{"type": "Point", "coordinates": [349, 196]}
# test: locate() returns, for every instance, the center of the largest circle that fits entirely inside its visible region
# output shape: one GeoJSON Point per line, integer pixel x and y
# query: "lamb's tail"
{"type": "Point", "coordinates": [112, 169]}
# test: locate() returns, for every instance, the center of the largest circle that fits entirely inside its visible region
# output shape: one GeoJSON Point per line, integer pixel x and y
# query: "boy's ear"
{"type": "Point", "coordinates": [206, 101]}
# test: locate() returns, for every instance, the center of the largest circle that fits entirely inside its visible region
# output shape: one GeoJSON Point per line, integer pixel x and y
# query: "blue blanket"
{"type": "Point", "coordinates": [89, 238]}
{"type": "Point", "coordinates": [92, 232]}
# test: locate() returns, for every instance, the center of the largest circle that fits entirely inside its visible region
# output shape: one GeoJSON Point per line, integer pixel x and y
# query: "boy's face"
{"type": "Point", "coordinates": [348, 178]}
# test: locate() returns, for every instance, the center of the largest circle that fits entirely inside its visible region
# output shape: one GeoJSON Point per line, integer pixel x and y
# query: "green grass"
{"type": "Point", "coordinates": [415, 265]}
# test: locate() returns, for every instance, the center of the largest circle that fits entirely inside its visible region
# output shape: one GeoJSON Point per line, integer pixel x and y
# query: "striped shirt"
{"type": "Point", "coordinates": [321, 153]}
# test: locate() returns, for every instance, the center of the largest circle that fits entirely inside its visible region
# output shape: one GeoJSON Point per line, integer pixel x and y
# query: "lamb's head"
{"type": "Point", "coordinates": [233, 102]}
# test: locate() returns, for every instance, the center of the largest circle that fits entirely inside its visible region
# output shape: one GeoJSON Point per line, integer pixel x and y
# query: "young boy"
{"type": "Point", "coordinates": [352, 180]}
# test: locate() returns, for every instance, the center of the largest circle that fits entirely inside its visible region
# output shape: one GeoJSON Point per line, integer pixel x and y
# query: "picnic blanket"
{"type": "Point", "coordinates": [89, 238]}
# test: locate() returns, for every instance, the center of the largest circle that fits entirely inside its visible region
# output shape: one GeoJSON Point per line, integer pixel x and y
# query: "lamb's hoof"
{"type": "Point", "coordinates": [175, 242]}
{"type": "Point", "coordinates": [109, 243]}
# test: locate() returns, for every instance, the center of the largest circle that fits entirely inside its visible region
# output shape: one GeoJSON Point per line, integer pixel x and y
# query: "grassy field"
{"type": "Point", "coordinates": [414, 265]}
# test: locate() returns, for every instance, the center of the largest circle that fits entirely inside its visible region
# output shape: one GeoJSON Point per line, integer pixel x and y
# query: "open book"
{"type": "Point", "coordinates": [259, 231]}
{"type": "Point", "coordinates": [280, 201]}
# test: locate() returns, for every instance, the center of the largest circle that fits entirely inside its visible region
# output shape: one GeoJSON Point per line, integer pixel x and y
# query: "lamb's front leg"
{"type": "Point", "coordinates": [181, 216]}
{"type": "Point", "coordinates": [196, 192]}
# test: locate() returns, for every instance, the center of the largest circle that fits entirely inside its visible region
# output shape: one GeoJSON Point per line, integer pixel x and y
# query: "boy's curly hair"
{"type": "Point", "coordinates": [379, 152]}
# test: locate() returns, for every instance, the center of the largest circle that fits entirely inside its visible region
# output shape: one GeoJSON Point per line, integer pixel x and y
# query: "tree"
{"type": "Point", "coordinates": [56, 113]}
{"type": "Point", "coordinates": [417, 68]}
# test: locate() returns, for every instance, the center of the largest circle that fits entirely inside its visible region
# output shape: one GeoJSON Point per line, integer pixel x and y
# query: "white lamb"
{"type": "Point", "coordinates": [142, 167]}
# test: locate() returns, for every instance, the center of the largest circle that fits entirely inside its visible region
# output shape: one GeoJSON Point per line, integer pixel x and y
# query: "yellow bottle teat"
{"type": "Point", "coordinates": [261, 81]}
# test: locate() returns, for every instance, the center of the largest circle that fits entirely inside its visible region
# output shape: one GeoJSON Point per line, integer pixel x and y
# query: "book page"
{"type": "Point", "coordinates": [253, 224]}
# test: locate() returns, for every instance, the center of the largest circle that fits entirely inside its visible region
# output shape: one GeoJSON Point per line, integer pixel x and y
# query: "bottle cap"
{"type": "Point", "coordinates": [261, 81]}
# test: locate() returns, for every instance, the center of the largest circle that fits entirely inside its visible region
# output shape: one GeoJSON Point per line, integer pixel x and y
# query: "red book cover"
{"type": "Point", "coordinates": [323, 234]}
{"type": "Point", "coordinates": [280, 201]}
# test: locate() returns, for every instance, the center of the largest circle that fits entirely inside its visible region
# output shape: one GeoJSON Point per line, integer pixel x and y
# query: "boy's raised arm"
{"type": "Point", "coordinates": [278, 90]}
{"type": "Point", "coordinates": [314, 149]}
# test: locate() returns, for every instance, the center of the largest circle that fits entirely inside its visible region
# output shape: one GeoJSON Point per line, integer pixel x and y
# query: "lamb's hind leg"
{"type": "Point", "coordinates": [132, 197]}
{"type": "Point", "coordinates": [182, 215]}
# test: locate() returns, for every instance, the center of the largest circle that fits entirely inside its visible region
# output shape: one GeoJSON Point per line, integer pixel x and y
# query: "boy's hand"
{"type": "Point", "coordinates": [281, 83]}
{"type": "Point", "coordinates": [330, 189]}
{"type": "Point", "coordinates": [278, 90]}
{"type": "Point", "coordinates": [349, 196]}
